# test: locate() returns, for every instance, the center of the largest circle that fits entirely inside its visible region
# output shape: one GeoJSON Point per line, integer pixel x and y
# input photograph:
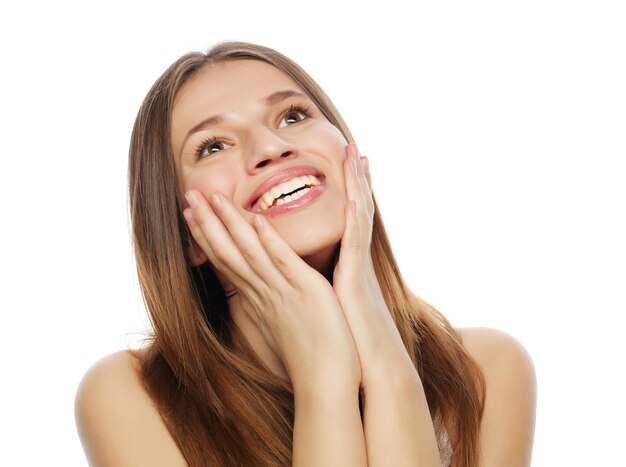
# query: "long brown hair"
{"type": "Point", "coordinates": [221, 404]}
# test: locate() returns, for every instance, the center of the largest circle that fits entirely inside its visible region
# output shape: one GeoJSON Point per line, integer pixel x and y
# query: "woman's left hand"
{"type": "Point", "coordinates": [379, 345]}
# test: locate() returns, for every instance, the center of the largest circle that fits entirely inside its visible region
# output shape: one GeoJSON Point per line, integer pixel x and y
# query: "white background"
{"type": "Point", "coordinates": [496, 135]}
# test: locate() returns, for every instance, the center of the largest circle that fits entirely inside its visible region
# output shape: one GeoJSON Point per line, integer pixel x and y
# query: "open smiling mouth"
{"type": "Point", "coordinates": [290, 195]}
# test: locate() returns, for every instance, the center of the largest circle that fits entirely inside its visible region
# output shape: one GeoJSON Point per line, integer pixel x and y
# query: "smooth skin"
{"type": "Point", "coordinates": [300, 317]}
{"type": "Point", "coordinates": [120, 426]}
{"type": "Point", "coordinates": [314, 327]}
{"type": "Point", "coordinates": [118, 423]}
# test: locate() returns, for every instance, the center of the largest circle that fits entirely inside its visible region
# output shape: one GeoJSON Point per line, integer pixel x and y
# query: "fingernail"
{"type": "Point", "coordinates": [192, 199]}
{"type": "Point", "coordinates": [216, 201]}
{"type": "Point", "coordinates": [188, 215]}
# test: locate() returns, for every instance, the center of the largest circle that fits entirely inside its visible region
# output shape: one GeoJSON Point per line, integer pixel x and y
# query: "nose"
{"type": "Point", "coordinates": [267, 146]}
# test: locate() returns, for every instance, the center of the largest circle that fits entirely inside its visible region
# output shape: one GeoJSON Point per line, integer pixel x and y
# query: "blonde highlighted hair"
{"type": "Point", "coordinates": [221, 404]}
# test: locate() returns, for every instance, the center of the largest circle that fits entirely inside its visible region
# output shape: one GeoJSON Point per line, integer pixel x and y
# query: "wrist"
{"type": "Point", "coordinates": [325, 392]}
{"type": "Point", "coordinates": [329, 381]}
{"type": "Point", "coordinates": [396, 387]}
{"type": "Point", "coordinates": [393, 369]}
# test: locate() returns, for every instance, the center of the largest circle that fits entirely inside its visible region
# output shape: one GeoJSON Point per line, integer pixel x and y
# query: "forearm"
{"type": "Point", "coordinates": [397, 423]}
{"type": "Point", "coordinates": [328, 429]}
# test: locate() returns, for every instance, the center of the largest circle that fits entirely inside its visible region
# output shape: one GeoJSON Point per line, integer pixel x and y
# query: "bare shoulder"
{"type": "Point", "coordinates": [491, 347]}
{"type": "Point", "coordinates": [507, 428]}
{"type": "Point", "coordinates": [118, 423]}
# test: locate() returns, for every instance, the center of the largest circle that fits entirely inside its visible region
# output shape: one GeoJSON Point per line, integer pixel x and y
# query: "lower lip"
{"type": "Point", "coordinates": [308, 198]}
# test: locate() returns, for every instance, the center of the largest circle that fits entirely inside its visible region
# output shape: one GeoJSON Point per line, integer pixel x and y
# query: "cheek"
{"type": "Point", "coordinates": [330, 142]}
{"type": "Point", "coordinates": [332, 139]}
{"type": "Point", "coordinates": [211, 178]}
{"type": "Point", "coordinates": [335, 149]}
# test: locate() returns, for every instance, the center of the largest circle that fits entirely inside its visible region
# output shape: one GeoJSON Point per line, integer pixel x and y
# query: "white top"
{"type": "Point", "coordinates": [445, 449]}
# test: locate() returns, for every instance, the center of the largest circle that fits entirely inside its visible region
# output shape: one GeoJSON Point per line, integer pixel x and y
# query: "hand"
{"type": "Point", "coordinates": [293, 305]}
{"type": "Point", "coordinates": [376, 336]}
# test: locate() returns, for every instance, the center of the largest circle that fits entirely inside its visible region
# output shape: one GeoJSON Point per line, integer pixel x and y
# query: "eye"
{"type": "Point", "coordinates": [294, 114]}
{"type": "Point", "coordinates": [210, 146]}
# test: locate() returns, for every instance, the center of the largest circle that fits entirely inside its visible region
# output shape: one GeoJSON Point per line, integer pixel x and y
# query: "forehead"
{"type": "Point", "coordinates": [225, 87]}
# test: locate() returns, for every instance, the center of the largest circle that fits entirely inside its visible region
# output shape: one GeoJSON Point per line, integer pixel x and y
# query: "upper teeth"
{"type": "Point", "coordinates": [270, 196]}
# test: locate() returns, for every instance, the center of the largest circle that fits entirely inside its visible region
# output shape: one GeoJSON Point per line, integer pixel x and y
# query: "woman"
{"type": "Point", "coordinates": [283, 331]}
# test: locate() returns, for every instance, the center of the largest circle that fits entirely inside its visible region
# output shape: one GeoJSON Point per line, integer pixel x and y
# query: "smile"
{"type": "Point", "coordinates": [288, 191]}
{"type": "Point", "coordinates": [302, 198]}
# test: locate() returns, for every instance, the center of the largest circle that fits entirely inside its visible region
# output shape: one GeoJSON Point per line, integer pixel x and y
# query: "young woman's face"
{"type": "Point", "coordinates": [245, 129]}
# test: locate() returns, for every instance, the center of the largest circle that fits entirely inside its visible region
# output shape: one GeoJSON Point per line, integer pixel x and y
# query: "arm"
{"type": "Point", "coordinates": [398, 427]}
{"type": "Point", "coordinates": [300, 319]}
{"type": "Point", "coordinates": [328, 429]}
{"type": "Point", "coordinates": [117, 422]}
{"type": "Point", "coordinates": [396, 421]}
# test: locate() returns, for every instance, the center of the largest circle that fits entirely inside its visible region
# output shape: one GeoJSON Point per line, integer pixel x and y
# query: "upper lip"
{"type": "Point", "coordinates": [280, 177]}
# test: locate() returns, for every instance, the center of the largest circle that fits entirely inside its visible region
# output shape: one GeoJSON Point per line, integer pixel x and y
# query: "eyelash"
{"type": "Point", "coordinates": [305, 110]}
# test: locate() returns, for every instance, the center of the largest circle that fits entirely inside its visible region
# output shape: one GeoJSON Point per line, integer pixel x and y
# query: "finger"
{"type": "Point", "coordinates": [205, 227]}
{"type": "Point", "coordinates": [198, 236]}
{"type": "Point", "coordinates": [361, 185]}
{"type": "Point", "coordinates": [364, 179]}
{"type": "Point", "coordinates": [357, 187]}
{"type": "Point", "coordinates": [247, 242]}
{"type": "Point", "coordinates": [351, 243]}
{"type": "Point", "coordinates": [214, 239]}
{"type": "Point", "coordinates": [293, 268]}
{"type": "Point", "coordinates": [233, 278]}
{"type": "Point", "coordinates": [353, 189]}
{"type": "Point", "coordinates": [366, 166]}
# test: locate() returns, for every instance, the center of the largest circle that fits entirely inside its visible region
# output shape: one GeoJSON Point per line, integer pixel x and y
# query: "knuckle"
{"type": "Point", "coordinates": [219, 255]}
{"type": "Point", "coordinates": [248, 256]}
{"type": "Point", "coordinates": [264, 294]}
{"type": "Point", "coordinates": [279, 262]}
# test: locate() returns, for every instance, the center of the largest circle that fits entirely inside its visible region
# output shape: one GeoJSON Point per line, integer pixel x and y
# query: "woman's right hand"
{"type": "Point", "coordinates": [294, 306]}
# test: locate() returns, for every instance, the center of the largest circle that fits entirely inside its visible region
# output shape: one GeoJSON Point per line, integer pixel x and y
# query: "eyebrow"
{"type": "Point", "coordinates": [272, 99]}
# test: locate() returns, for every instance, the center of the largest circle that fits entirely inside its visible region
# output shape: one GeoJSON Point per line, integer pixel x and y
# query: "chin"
{"type": "Point", "coordinates": [317, 245]}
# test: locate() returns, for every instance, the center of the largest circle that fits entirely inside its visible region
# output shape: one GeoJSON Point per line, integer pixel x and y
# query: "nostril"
{"type": "Point", "coordinates": [268, 158]}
